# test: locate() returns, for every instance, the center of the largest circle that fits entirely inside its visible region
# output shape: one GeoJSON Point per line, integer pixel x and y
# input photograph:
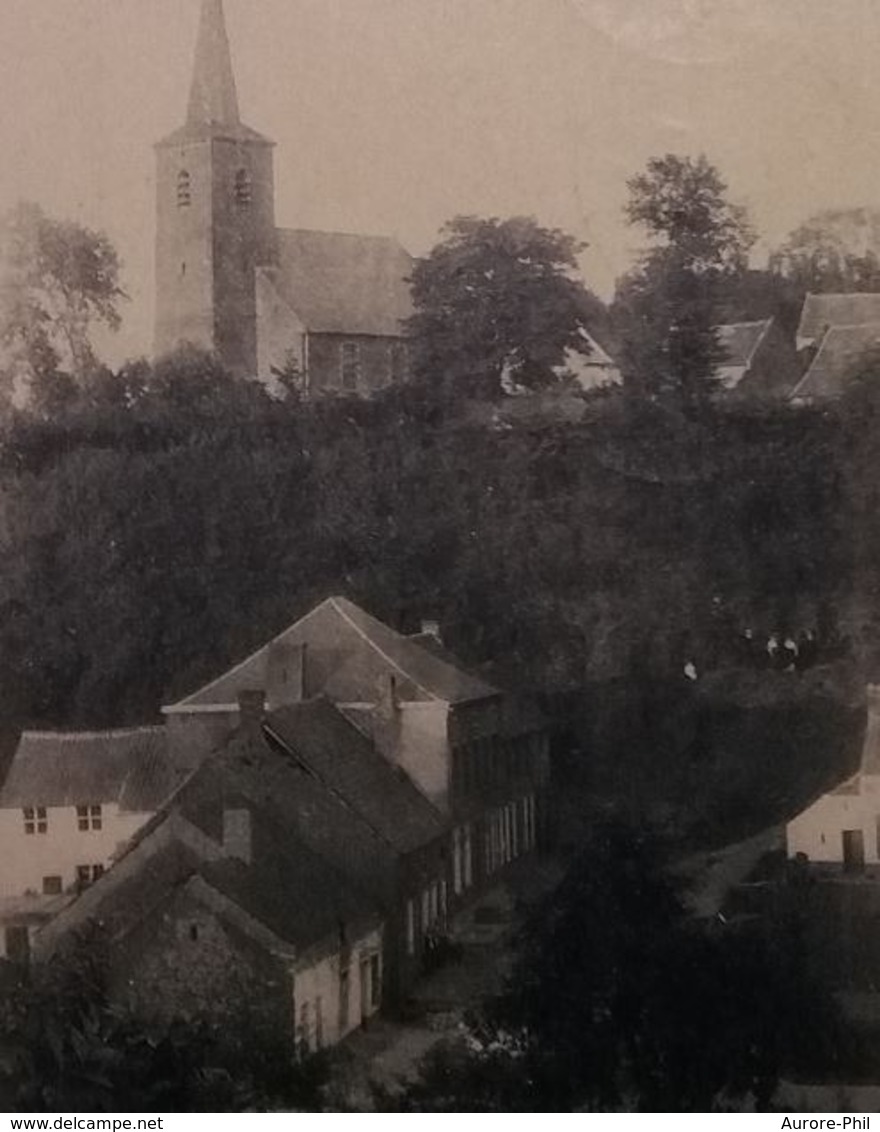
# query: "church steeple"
{"type": "Point", "coordinates": [213, 99]}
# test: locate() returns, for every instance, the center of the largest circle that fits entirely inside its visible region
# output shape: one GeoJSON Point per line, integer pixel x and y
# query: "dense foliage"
{"type": "Point", "coordinates": [497, 304]}
{"type": "Point", "coordinates": [66, 1046]}
{"type": "Point", "coordinates": [669, 304]}
{"type": "Point", "coordinates": [621, 1000]}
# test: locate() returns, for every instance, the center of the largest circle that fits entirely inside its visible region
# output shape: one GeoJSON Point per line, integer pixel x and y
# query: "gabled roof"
{"type": "Point", "coordinates": [348, 655]}
{"type": "Point", "coordinates": [132, 768]}
{"type": "Point", "coordinates": [843, 347]}
{"type": "Point", "coordinates": [345, 761]}
{"type": "Point", "coordinates": [740, 342]}
{"type": "Point", "coordinates": [290, 808]}
{"type": "Point", "coordinates": [292, 893]}
{"type": "Point", "coordinates": [344, 284]}
{"type": "Point", "coordinates": [823, 311]}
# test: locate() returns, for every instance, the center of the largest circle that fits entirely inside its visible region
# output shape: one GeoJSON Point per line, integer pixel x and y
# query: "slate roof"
{"type": "Point", "coordinates": [132, 768]}
{"type": "Point", "coordinates": [344, 759]}
{"type": "Point", "coordinates": [843, 347]}
{"type": "Point", "coordinates": [338, 283]}
{"type": "Point", "coordinates": [290, 807]}
{"type": "Point", "coordinates": [820, 312]}
{"type": "Point", "coordinates": [339, 628]}
{"type": "Point", "coordinates": [740, 342]}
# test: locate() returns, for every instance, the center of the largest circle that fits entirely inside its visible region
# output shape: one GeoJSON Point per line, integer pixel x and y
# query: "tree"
{"type": "Point", "coordinates": [620, 999]}
{"type": "Point", "coordinates": [497, 302]}
{"type": "Point", "coordinates": [668, 306]}
{"type": "Point", "coordinates": [833, 250]}
{"type": "Point", "coordinates": [58, 281]}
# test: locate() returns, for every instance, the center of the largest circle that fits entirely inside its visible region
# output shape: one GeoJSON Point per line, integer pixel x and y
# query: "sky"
{"type": "Point", "coordinates": [392, 116]}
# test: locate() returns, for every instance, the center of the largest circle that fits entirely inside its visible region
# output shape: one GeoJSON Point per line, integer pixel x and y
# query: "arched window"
{"type": "Point", "coordinates": [184, 189]}
{"type": "Point", "coordinates": [243, 189]}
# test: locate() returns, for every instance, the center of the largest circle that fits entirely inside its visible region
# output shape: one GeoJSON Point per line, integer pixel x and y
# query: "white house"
{"type": "Point", "coordinates": [72, 801]}
{"type": "Point", "coordinates": [843, 826]}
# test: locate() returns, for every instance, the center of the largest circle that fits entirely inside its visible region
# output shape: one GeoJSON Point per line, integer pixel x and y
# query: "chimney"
{"type": "Point", "coordinates": [237, 835]}
{"type": "Point", "coordinates": [251, 706]}
{"type": "Point", "coordinates": [432, 629]}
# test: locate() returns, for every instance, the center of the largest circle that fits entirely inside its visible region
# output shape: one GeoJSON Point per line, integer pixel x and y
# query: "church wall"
{"type": "Point", "coordinates": [375, 363]}
{"type": "Point", "coordinates": [244, 239]}
{"type": "Point", "coordinates": [184, 248]}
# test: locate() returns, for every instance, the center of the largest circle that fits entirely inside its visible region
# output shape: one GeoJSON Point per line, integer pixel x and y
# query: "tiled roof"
{"type": "Point", "coordinates": [132, 768]}
{"type": "Point", "coordinates": [346, 761]}
{"type": "Point", "coordinates": [290, 807]}
{"type": "Point", "coordinates": [739, 341]}
{"type": "Point", "coordinates": [344, 284]}
{"type": "Point", "coordinates": [822, 311]}
{"type": "Point", "coordinates": [349, 652]}
{"type": "Point", "coordinates": [843, 347]}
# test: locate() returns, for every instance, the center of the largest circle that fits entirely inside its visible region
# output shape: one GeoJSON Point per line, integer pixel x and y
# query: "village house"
{"type": "Point", "coordinates": [71, 801]}
{"type": "Point", "coordinates": [219, 913]}
{"type": "Point", "coordinates": [479, 756]}
{"type": "Point", "coordinates": [409, 784]}
{"type": "Point", "coordinates": [842, 827]}
{"type": "Point", "coordinates": [759, 360]}
{"type": "Point", "coordinates": [328, 307]}
{"type": "Point", "coordinates": [836, 333]}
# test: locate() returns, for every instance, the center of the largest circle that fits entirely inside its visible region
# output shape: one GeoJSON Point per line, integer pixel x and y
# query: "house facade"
{"type": "Point", "coordinates": [842, 827]}
{"type": "Point", "coordinates": [328, 306]}
{"type": "Point", "coordinates": [71, 801]}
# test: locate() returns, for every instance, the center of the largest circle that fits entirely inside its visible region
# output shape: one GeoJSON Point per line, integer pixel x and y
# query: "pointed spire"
{"type": "Point", "coordinates": [212, 98]}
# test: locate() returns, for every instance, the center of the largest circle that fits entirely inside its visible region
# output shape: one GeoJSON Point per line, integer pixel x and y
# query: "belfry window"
{"type": "Point", "coordinates": [184, 189]}
{"type": "Point", "coordinates": [243, 188]}
{"type": "Point", "coordinates": [350, 366]}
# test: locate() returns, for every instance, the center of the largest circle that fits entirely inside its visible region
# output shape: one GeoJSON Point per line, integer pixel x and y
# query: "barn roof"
{"type": "Point", "coordinates": [345, 760]}
{"type": "Point", "coordinates": [843, 347]}
{"type": "Point", "coordinates": [740, 342]}
{"type": "Point", "coordinates": [342, 629]}
{"type": "Point", "coordinates": [338, 283]}
{"type": "Point", "coordinates": [820, 312]}
{"type": "Point", "coordinates": [131, 767]}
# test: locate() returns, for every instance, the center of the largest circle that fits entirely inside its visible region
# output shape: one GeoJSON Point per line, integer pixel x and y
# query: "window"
{"type": "Point", "coordinates": [184, 189]}
{"type": "Point", "coordinates": [398, 361]}
{"type": "Point", "coordinates": [375, 981]}
{"type": "Point", "coordinates": [344, 984]}
{"type": "Point", "coordinates": [468, 862]}
{"type": "Point", "coordinates": [18, 943]}
{"type": "Point", "coordinates": [243, 188]}
{"type": "Point", "coordinates": [410, 928]}
{"type": "Point", "coordinates": [305, 1027]}
{"type": "Point", "coordinates": [51, 886]}
{"type": "Point", "coordinates": [194, 932]}
{"type": "Point", "coordinates": [349, 366]}
{"type": "Point", "coordinates": [88, 874]}
{"type": "Point", "coordinates": [88, 817]}
{"type": "Point", "coordinates": [319, 1023]}
{"type": "Point", "coordinates": [36, 819]}
{"type": "Point", "coordinates": [426, 909]}
{"type": "Point", "coordinates": [457, 861]}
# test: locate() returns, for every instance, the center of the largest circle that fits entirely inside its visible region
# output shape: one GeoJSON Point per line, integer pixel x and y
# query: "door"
{"type": "Point", "coordinates": [853, 850]}
{"type": "Point", "coordinates": [343, 1001]}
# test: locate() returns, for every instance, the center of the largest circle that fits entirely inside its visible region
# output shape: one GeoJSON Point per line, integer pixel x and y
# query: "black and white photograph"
{"type": "Point", "coordinates": [440, 557]}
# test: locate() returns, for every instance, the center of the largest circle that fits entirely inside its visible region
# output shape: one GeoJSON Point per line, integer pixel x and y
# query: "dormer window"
{"type": "Point", "coordinates": [184, 189]}
{"type": "Point", "coordinates": [243, 188]}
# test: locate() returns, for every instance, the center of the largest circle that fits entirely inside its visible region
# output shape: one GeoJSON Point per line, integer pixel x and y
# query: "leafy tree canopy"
{"type": "Point", "coordinates": [668, 306]}
{"type": "Point", "coordinates": [497, 303]}
{"type": "Point", "coordinates": [58, 281]}
{"type": "Point", "coordinates": [832, 251]}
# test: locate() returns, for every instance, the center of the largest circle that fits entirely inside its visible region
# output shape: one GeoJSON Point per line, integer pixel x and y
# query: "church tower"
{"type": "Point", "coordinates": [215, 213]}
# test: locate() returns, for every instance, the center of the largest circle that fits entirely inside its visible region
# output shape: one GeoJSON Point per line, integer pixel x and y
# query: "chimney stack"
{"type": "Point", "coordinates": [432, 629]}
{"type": "Point", "coordinates": [251, 707]}
{"type": "Point", "coordinates": [237, 841]}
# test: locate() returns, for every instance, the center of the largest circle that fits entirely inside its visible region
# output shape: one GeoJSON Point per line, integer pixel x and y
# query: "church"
{"type": "Point", "coordinates": [263, 298]}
